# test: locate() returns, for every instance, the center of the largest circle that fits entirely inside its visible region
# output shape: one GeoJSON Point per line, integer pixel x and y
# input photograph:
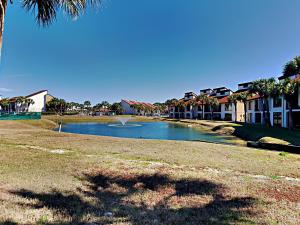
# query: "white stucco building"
{"type": "Point", "coordinates": [38, 103]}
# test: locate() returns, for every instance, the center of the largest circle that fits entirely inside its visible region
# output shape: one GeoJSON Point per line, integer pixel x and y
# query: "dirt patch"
{"type": "Point", "coordinates": [4, 193]}
{"type": "Point", "coordinates": [290, 193]}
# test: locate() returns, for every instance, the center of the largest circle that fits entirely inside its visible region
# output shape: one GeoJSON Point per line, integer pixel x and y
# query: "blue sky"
{"type": "Point", "coordinates": [148, 50]}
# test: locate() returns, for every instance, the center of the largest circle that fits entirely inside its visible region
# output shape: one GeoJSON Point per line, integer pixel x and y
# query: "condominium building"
{"type": "Point", "coordinates": [279, 113]}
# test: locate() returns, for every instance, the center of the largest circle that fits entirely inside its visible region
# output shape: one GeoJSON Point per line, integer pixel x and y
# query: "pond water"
{"type": "Point", "coordinates": [146, 130]}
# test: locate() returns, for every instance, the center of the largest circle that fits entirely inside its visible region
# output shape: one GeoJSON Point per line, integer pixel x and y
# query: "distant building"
{"type": "Point", "coordinates": [38, 104]}
{"type": "Point", "coordinates": [137, 108]}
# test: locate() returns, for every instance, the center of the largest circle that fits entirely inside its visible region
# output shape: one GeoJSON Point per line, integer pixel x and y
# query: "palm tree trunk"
{"type": "Point", "coordinates": [3, 4]}
{"type": "Point", "coordinates": [264, 111]}
{"type": "Point", "coordinates": [245, 112]}
{"type": "Point", "coordinates": [290, 116]}
{"type": "Point", "coordinates": [235, 111]}
{"type": "Point", "coordinates": [268, 113]}
{"type": "Point", "coordinates": [203, 112]}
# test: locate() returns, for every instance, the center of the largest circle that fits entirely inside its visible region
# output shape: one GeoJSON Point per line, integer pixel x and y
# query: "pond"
{"type": "Point", "coordinates": [144, 130]}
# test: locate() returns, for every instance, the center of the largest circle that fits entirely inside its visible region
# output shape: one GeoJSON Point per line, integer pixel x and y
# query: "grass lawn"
{"type": "Point", "coordinates": [249, 132]}
{"type": "Point", "coordinates": [255, 132]}
{"type": "Point", "coordinates": [52, 178]}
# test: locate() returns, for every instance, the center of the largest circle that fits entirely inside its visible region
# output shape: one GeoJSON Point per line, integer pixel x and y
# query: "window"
{"type": "Point", "coordinates": [188, 108]}
{"type": "Point", "coordinates": [217, 116]}
{"type": "Point", "coordinates": [249, 105]}
{"type": "Point", "coordinates": [277, 119]}
{"type": "Point", "coordinates": [249, 118]}
{"type": "Point", "coordinates": [207, 108]}
{"type": "Point", "coordinates": [199, 108]}
{"type": "Point", "coordinates": [257, 105]}
{"type": "Point", "coordinates": [228, 117]}
{"type": "Point", "coordinates": [257, 117]}
{"type": "Point", "coordinates": [277, 102]}
{"type": "Point", "coordinates": [217, 108]}
{"type": "Point", "coordinates": [228, 107]}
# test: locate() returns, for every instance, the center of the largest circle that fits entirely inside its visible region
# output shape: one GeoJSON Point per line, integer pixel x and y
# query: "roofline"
{"type": "Point", "coordinates": [35, 93]}
{"type": "Point", "coordinates": [220, 88]}
{"type": "Point", "coordinates": [251, 82]}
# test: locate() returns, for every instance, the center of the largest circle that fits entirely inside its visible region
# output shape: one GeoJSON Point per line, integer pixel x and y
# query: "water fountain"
{"type": "Point", "coordinates": [123, 121]}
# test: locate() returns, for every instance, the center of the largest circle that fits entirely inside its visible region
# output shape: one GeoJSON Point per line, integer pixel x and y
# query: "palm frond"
{"type": "Point", "coordinates": [45, 11]}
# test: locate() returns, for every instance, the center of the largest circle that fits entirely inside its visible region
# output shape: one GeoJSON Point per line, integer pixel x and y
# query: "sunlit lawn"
{"type": "Point", "coordinates": [52, 178]}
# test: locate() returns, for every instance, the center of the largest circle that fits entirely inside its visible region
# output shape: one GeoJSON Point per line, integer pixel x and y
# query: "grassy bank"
{"type": "Point", "coordinates": [248, 132]}
{"type": "Point", "coordinates": [52, 178]}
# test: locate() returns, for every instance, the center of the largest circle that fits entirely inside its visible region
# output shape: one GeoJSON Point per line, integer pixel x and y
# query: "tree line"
{"type": "Point", "coordinates": [61, 106]}
{"type": "Point", "coordinates": [22, 104]}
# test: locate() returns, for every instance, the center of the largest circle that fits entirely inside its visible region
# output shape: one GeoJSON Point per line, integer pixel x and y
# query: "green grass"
{"type": "Point", "coordinates": [250, 132]}
{"type": "Point", "coordinates": [256, 132]}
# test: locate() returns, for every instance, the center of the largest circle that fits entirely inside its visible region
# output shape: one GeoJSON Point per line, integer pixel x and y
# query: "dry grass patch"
{"type": "Point", "coordinates": [141, 182]}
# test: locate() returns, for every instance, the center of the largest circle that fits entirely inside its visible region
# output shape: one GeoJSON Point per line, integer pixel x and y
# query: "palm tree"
{"type": "Point", "coordinates": [244, 97]}
{"type": "Point", "coordinates": [203, 99]}
{"type": "Point", "coordinates": [4, 103]}
{"type": "Point", "coordinates": [181, 106]}
{"type": "Point", "coordinates": [28, 102]}
{"type": "Point", "coordinates": [117, 108]}
{"type": "Point", "coordinates": [289, 89]}
{"type": "Point", "coordinates": [264, 88]}
{"type": "Point", "coordinates": [292, 67]}
{"type": "Point", "coordinates": [46, 10]}
{"type": "Point", "coordinates": [233, 99]}
{"type": "Point", "coordinates": [87, 106]}
{"type": "Point", "coordinates": [213, 103]}
{"type": "Point", "coordinates": [19, 102]}
{"type": "Point", "coordinates": [139, 108]}
{"type": "Point", "coordinates": [170, 103]}
{"type": "Point", "coordinates": [105, 104]}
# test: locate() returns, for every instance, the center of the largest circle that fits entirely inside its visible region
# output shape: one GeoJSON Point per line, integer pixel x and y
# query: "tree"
{"type": "Point", "coordinates": [4, 103]}
{"type": "Point", "coordinates": [28, 102]}
{"type": "Point", "coordinates": [57, 105]}
{"type": "Point", "coordinates": [105, 104]}
{"type": "Point", "coordinates": [46, 10]}
{"type": "Point", "coordinates": [161, 107]}
{"type": "Point", "coordinates": [233, 99]}
{"type": "Point", "coordinates": [139, 108]}
{"type": "Point", "coordinates": [171, 103]}
{"type": "Point", "coordinates": [203, 99]}
{"type": "Point", "coordinates": [264, 88]}
{"type": "Point", "coordinates": [289, 89]}
{"type": "Point", "coordinates": [87, 106]}
{"type": "Point", "coordinates": [292, 67]}
{"type": "Point", "coordinates": [244, 97]}
{"type": "Point", "coordinates": [97, 106]}
{"type": "Point", "coordinates": [19, 101]}
{"type": "Point", "coordinates": [117, 108]}
{"type": "Point", "coordinates": [213, 103]}
{"type": "Point", "coordinates": [181, 106]}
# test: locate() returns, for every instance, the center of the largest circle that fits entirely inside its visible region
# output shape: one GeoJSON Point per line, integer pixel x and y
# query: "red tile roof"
{"type": "Point", "coordinates": [129, 102]}
{"type": "Point", "coordinates": [223, 100]}
{"type": "Point", "coordinates": [253, 97]}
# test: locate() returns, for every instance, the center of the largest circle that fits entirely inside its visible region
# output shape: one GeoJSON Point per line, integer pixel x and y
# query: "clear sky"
{"type": "Point", "coordinates": [149, 50]}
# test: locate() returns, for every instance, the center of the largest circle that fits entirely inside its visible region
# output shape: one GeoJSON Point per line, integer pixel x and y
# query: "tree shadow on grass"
{"type": "Point", "coordinates": [144, 199]}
